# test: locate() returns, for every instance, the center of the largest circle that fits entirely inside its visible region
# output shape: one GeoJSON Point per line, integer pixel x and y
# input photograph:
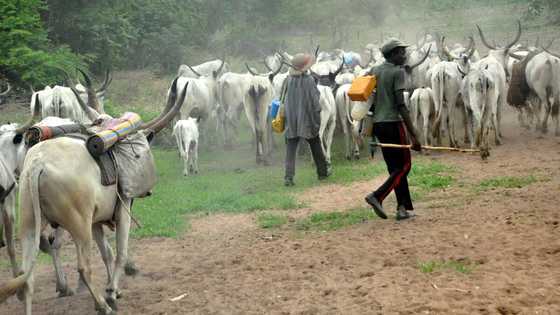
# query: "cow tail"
{"type": "Point", "coordinates": [441, 79]}
{"type": "Point", "coordinates": [13, 285]}
{"type": "Point", "coordinates": [347, 109]}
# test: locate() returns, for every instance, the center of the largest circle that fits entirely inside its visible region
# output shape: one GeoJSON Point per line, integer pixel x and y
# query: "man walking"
{"type": "Point", "coordinates": [303, 116]}
{"type": "Point", "coordinates": [390, 118]}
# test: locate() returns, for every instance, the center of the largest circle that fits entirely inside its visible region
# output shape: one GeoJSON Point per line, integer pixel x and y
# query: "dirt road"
{"type": "Point", "coordinates": [225, 264]}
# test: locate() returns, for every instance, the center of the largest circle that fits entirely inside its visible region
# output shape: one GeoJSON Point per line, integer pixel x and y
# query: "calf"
{"type": "Point", "coordinates": [186, 134]}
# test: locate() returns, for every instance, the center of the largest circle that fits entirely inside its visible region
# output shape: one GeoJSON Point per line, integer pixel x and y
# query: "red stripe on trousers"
{"type": "Point", "coordinates": [407, 162]}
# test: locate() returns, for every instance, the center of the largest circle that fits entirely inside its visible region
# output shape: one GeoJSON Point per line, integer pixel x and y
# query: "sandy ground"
{"type": "Point", "coordinates": [227, 265]}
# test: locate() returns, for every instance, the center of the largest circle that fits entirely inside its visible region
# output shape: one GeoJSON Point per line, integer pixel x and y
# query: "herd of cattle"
{"type": "Point", "coordinates": [442, 84]}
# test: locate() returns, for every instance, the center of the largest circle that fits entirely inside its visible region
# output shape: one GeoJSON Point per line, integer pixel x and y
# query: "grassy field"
{"type": "Point", "coordinates": [230, 182]}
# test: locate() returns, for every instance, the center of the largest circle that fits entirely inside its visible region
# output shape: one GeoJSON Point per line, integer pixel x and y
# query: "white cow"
{"type": "Point", "coordinates": [186, 135]}
{"type": "Point", "coordinates": [258, 97]}
{"type": "Point", "coordinates": [350, 127]}
{"type": "Point", "coordinates": [446, 84]}
{"type": "Point", "coordinates": [543, 77]}
{"type": "Point", "coordinates": [328, 120]}
{"type": "Point", "coordinates": [232, 88]}
{"type": "Point", "coordinates": [201, 97]}
{"type": "Point", "coordinates": [422, 109]}
{"type": "Point", "coordinates": [481, 92]}
{"type": "Point", "coordinates": [61, 101]}
{"type": "Point", "coordinates": [496, 64]}
{"type": "Point", "coordinates": [12, 155]}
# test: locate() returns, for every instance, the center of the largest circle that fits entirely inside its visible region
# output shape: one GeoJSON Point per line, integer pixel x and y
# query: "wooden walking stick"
{"type": "Point", "coordinates": [484, 153]}
{"type": "Point", "coordinates": [425, 147]}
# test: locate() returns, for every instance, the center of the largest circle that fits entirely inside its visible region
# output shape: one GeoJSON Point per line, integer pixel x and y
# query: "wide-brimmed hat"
{"type": "Point", "coordinates": [391, 44]}
{"type": "Point", "coordinates": [302, 62]}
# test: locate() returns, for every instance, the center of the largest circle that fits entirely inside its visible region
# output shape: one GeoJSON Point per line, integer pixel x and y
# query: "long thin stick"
{"type": "Point", "coordinates": [425, 147]}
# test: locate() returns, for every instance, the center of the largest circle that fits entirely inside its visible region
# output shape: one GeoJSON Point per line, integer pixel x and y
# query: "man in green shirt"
{"type": "Point", "coordinates": [391, 123]}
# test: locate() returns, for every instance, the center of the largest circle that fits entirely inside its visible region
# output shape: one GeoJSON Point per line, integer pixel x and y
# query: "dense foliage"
{"type": "Point", "coordinates": [39, 37]}
{"type": "Point", "coordinates": [26, 53]}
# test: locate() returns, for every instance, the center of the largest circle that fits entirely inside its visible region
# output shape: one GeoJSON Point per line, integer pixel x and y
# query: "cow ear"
{"type": "Point", "coordinates": [17, 138]}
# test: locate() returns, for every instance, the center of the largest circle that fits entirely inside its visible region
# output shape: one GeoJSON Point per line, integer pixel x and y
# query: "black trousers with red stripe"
{"type": "Point", "coordinates": [398, 162]}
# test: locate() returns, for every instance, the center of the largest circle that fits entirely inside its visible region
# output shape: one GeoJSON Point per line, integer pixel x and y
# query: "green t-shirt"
{"type": "Point", "coordinates": [390, 78]}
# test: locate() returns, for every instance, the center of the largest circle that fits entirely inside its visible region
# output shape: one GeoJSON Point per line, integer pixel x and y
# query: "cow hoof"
{"type": "Point", "coordinates": [20, 295]}
{"type": "Point", "coordinates": [112, 303]}
{"type": "Point", "coordinates": [65, 292]}
{"type": "Point", "coordinates": [107, 311]}
{"type": "Point", "coordinates": [348, 158]}
{"type": "Point", "coordinates": [130, 269]}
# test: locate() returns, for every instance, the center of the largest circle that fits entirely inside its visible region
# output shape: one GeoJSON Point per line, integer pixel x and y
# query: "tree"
{"type": "Point", "coordinates": [26, 54]}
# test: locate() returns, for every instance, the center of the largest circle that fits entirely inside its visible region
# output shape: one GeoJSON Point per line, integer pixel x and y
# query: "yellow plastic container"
{"type": "Point", "coordinates": [361, 88]}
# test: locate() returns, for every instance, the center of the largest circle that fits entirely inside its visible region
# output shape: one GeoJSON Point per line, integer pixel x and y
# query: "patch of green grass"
{"type": "Point", "coordinates": [330, 221]}
{"type": "Point", "coordinates": [270, 221]}
{"type": "Point", "coordinates": [506, 182]}
{"type": "Point", "coordinates": [427, 176]}
{"type": "Point", "coordinates": [464, 267]}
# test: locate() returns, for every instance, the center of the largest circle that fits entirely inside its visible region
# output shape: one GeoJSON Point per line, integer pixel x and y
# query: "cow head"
{"type": "Point", "coordinates": [460, 56]}
{"type": "Point", "coordinates": [329, 78]}
{"type": "Point", "coordinates": [271, 74]}
{"type": "Point", "coordinates": [501, 53]}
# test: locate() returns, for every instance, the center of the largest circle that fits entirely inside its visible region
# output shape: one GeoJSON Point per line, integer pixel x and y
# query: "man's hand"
{"type": "Point", "coordinates": [416, 146]}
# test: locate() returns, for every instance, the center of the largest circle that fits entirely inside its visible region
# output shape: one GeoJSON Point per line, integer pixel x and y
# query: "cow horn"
{"type": "Point", "coordinates": [90, 112]}
{"type": "Point", "coordinates": [517, 37]}
{"type": "Point", "coordinates": [158, 124]}
{"type": "Point", "coordinates": [471, 48]}
{"type": "Point", "coordinates": [289, 65]}
{"type": "Point", "coordinates": [171, 98]}
{"type": "Point", "coordinates": [250, 70]}
{"type": "Point", "coordinates": [422, 60]}
{"type": "Point", "coordinates": [515, 56]}
{"type": "Point", "coordinates": [484, 41]}
{"type": "Point", "coordinates": [36, 114]}
{"type": "Point", "coordinates": [317, 52]}
{"type": "Point", "coordinates": [106, 82]}
{"type": "Point", "coordinates": [273, 74]}
{"type": "Point", "coordinates": [221, 66]}
{"type": "Point", "coordinates": [464, 74]}
{"type": "Point", "coordinates": [339, 68]}
{"type": "Point", "coordinates": [7, 90]}
{"type": "Point", "coordinates": [551, 53]}
{"type": "Point", "coordinates": [31, 88]}
{"type": "Point", "coordinates": [446, 51]}
{"type": "Point", "coordinates": [194, 71]}
{"type": "Point", "coordinates": [92, 97]}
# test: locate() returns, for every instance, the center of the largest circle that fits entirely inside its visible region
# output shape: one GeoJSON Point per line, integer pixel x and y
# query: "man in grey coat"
{"type": "Point", "coordinates": [303, 116]}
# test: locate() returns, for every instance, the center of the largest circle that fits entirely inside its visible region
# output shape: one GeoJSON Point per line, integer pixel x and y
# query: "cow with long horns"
{"type": "Point", "coordinates": [496, 65]}
{"type": "Point", "coordinates": [61, 185]}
